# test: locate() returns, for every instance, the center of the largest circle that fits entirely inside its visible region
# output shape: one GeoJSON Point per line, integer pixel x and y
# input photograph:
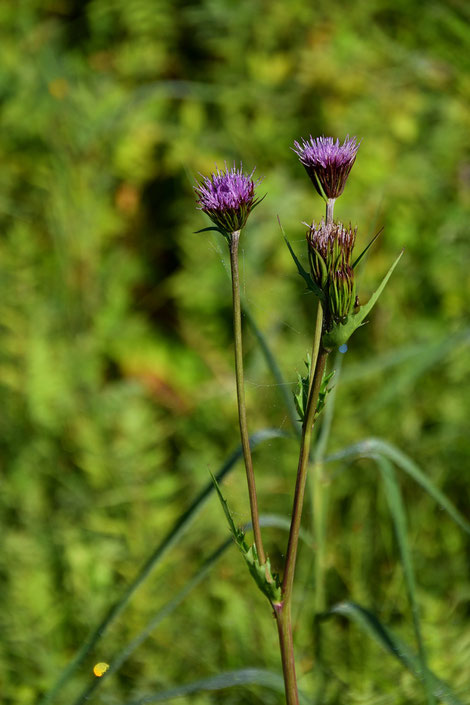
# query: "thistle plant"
{"type": "Point", "coordinates": [228, 197]}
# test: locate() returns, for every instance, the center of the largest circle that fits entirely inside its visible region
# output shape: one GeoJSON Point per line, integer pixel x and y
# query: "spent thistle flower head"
{"type": "Point", "coordinates": [227, 197]}
{"type": "Point", "coordinates": [327, 162]}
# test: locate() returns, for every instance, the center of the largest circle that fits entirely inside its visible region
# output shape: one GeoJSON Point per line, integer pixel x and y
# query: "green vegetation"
{"type": "Point", "coordinates": [116, 362]}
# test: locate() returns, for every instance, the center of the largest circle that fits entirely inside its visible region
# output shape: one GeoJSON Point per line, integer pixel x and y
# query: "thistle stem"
{"type": "Point", "coordinates": [237, 331]}
{"type": "Point", "coordinates": [330, 207]}
{"type": "Point", "coordinates": [320, 488]}
{"type": "Point", "coordinates": [319, 498]}
{"type": "Point", "coordinates": [302, 475]}
{"type": "Point", "coordinates": [316, 343]}
{"type": "Point", "coordinates": [282, 612]}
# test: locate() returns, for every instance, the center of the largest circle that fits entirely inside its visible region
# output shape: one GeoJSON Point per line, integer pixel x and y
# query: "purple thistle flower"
{"type": "Point", "coordinates": [327, 162]}
{"type": "Point", "coordinates": [228, 197]}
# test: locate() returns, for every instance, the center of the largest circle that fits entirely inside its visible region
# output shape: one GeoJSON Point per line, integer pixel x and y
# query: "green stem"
{"type": "Point", "coordinates": [237, 331]}
{"type": "Point", "coordinates": [319, 490]}
{"type": "Point", "coordinates": [330, 206]}
{"type": "Point", "coordinates": [320, 494]}
{"type": "Point", "coordinates": [316, 343]}
{"type": "Point", "coordinates": [302, 476]}
{"type": "Point", "coordinates": [284, 627]}
{"type": "Point", "coordinates": [282, 610]}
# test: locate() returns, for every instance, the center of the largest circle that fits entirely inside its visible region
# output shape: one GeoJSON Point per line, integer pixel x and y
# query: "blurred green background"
{"type": "Point", "coordinates": [116, 383]}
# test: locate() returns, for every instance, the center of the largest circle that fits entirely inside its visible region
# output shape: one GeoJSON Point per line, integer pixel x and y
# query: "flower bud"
{"type": "Point", "coordinates": [342, 294]}
{"type": "Point", "coordinates": [330, 247]}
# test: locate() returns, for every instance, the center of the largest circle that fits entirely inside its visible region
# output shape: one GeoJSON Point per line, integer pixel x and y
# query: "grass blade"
{"type": "Point", "coordinates": [371, 625]}
{"type": "Point", "coordinates": [270, 520]}
{"type": "Point", "coordinates": [397, 510]}
{"type": "Point", "coordinates": [229, 679]}
{"type": "Point", "coordinates": [372, 447]}
{"type": "Point", "coordinates": [162, 613]}
{"type": "Point", "coordinates": [175, 533]}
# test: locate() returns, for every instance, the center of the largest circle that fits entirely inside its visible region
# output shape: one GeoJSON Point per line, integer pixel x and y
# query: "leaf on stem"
{"type": "Point", "coordinates": [358, 259]}
{"type": "Point", "coordinates": [341, 332]}
{"type": "Point", "coordinates": [302, 389]}
{"type": "Point", "coordinates": [268, 583]}
{"type": "Point", "coordinates": [311, 286]}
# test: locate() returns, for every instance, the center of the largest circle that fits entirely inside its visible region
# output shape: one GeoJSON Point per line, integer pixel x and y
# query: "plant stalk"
{"type": "Point", "coordinates": [302, 475]}
{"type": "Point", "coordinates": [282, 610]}
{"type": "Point", "coordinates": [330, 206]}
{"type": "Point", "coordinates": [239, 376]}
{"type": "Point", "coordinates": [316, 343]}
{"type": "Point", "coordinates": [320, 493]}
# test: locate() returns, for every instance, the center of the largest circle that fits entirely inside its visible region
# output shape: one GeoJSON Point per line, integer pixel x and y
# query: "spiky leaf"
{"type": "Point", "coordinates": [324, 390]}
{"type": "Point", "coordinates": [301, 391]}
{"type": "Point", "coordinates": [341, 332]}
{"type": "Point", "coordinates": [267, 581]}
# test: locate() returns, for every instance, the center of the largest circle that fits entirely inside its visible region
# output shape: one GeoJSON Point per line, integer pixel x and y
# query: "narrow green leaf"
{"type": "Point", "coordinates": [324, 391]}
{"type": "Point", "coordinates": [371, 625]}
{"type": "Point", "coordinates": [212, 227]}
{"type": "Point", "coordinates": [229, 679]}
{"type": "Point", "coordinates": [366, 308]}
{"type": "Point", "coordinates": [356, 262]}
{"type": "Point", "coordinates": [173, 536]}
{"type": "Point", "coordinates": [397, 511]}
{"type": "Point", "coordinates": [301, 391]}
{"type": "Point", "coordinates": [311, 286]}
{"type": "Point", "coordinates": [237, 533]}
{"type": "Point", "coordinates": [341, 332]}
{"type": "Point", "coordinates": [267, 581]}
{"type": "Point", "coordinates": [372, 447]}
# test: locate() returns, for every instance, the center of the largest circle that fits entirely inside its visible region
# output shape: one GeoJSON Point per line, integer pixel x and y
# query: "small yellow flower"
{"type": "Point", "coordinates": [100, 668]}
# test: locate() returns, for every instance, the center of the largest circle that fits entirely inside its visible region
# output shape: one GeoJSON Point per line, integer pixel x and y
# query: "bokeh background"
{"type": "Point", "coordinates": [116, 383]}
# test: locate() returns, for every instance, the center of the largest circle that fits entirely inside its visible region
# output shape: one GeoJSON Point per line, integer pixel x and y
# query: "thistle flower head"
{"type": "Point", "coordinates": [228, 197]}
{"type": "Point", "coordinates": [342, 294]}
{"type": "Point", "coordinates": [330, 247]}
{"type": "Point", "coordinates": [327, 162]}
